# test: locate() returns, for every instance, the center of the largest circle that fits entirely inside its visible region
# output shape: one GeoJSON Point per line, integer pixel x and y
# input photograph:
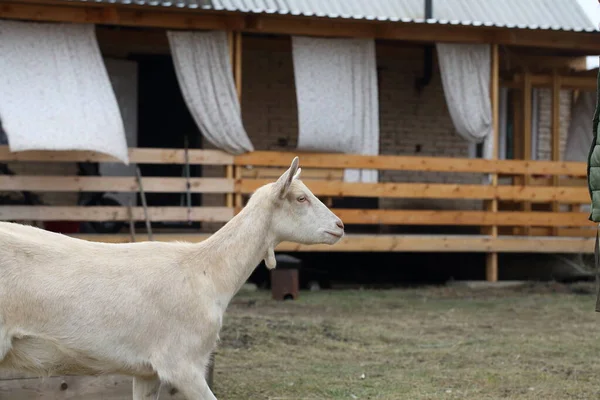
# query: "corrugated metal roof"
{"type": "Point", "coordinates": [530, 14]}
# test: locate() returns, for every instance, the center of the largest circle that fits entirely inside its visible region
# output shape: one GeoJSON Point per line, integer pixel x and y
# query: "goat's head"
{"type": "Point", "coordinates": [299, 216]}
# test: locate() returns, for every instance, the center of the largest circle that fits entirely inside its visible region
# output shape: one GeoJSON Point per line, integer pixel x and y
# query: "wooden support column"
{"type": "Point", "coordinates": [235, 54]}
{"type": "Point", "coordinates": [491, 269]}
{"type": "Point", "coordinates": [237, 76]}
{"type": "Point", "coordinates": [556, 82]}
{"type": "Point", "coordinates": [229, 168]}
{"type": "Point", "coordinates": [526, 135]}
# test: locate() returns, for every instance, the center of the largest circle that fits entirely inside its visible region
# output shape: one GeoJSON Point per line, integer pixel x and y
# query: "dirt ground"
{"type": "Point", "coordinates": [541, 341]}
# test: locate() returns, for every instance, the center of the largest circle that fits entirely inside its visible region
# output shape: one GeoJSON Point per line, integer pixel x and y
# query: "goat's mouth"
{"type": "Point", "coordinates": [335, 234]}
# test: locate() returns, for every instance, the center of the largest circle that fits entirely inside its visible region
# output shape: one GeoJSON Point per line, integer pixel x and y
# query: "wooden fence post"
{"type": "Point", "coordinates": [491, 269]}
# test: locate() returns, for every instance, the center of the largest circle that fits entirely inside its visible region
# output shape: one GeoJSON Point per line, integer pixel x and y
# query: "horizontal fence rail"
{"type": "Point", "coordinates": [164, 184]}
{"type": "Point", "coordinates": [136, 156]}
{"type": "Point", "coordinates": [434, 191]}
{"type": "Point", "coordinates": [548, 183]}
{"type": "Point", "coordinates": [412, 163]}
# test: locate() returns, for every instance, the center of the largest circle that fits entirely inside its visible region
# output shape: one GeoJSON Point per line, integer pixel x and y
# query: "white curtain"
{"type": "Point", "coordinates": [336, 89]}
{"type": "Point", "coordinates": [204, 72]}
{"type": "Point", "coordinates": [56, 94]}
{"type": "Point", "coordinates": [579, 137]}
{"type": "Point", "coordinates": [465, 71]}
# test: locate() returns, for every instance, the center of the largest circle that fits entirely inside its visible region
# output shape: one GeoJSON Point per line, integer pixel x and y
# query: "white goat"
{"type": "Point", "coordinates": [150, 310]}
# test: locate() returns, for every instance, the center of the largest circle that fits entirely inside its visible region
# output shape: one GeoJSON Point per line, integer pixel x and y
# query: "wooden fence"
{"type": "Point", "coordinates": [528, 205]}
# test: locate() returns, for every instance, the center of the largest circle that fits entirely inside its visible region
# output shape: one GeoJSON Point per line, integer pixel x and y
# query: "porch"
{"type": "Point", "coordinates": [507, 209]}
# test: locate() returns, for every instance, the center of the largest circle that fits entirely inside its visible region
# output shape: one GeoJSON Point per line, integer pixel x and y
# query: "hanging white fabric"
{"type": "Point", "coordinates": [579, 136]}
{"type": "Point", "coordinates": [336, 89]}
{"type": "Point", "coordinates": [56, 94]}
{"type": "Point", "coordinates": [204, 72]}
{"type": "Point", "coordinates": [465, 72]}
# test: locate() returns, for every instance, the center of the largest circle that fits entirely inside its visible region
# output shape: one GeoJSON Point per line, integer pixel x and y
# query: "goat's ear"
{"type": "Point", "coordinates": [286, 179]}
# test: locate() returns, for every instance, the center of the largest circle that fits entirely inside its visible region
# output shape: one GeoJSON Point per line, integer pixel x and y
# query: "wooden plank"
{"type": "Point", "coordinates": [587, 83]}
{"type": "Point", "coordinates": [404, 243]}
{"type": "Point", "coordinates": [106, 213]}
{"type": "Point", "coordinates": [411, 163]}
{"type": "Point", "coordinates": [491, 271]}
{"type": "Point", "coordinates": [39, 183]}
{"type": "Point", "coordinates": [433, 191]}
{"type": "Point", "coordinates": [109, 387]}
{"type": "Point", "coordinates": [136, 155]}
{"type": "Point", "coordinates": [577, 232]}
{"type": "Point", "coordinates": [133, 15]}
{"type": "Point", "coordinates": [120, 16]}
{"type": "Point", "coordinates": [463, 218]}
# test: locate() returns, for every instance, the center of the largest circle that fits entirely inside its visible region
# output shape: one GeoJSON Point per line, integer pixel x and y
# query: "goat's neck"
{"type": "Point", "coordinates": [235, 250]}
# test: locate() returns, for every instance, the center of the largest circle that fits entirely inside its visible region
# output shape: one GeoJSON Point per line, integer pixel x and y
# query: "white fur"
{"type": "Point", "coordinates": [150, 310]}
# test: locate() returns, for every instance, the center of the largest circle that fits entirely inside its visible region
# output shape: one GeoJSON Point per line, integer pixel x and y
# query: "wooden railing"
{"type": "Point", "coordinates": [323, 173]}
{"type": "Point", "coordinates": [53, 183]}
{"type": "Point", "coordinates": [572, 190]}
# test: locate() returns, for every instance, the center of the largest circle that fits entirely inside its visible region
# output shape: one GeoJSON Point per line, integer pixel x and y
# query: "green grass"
{"type": "Point", "coordinates": [538, 342]}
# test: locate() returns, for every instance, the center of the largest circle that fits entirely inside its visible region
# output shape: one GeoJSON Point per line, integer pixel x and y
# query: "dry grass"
{"type": "Point", "coordinates": [539, 342]}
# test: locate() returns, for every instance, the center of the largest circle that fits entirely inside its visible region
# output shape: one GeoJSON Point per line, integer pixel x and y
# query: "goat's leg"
{"type": "Point", "coordinates": [146, 388]}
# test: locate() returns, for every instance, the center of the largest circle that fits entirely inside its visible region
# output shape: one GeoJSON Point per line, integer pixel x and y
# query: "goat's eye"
{"type": "Point", "coordinates": [301, 199]}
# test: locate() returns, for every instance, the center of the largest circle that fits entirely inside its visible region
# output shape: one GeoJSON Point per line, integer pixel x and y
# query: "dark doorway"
{"type": "Point", "coordinates": [164, 121]}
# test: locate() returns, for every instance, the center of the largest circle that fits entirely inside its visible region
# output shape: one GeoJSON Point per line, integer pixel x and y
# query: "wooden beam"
{"type": "Point", "coordinates": [162, 17]}
{"type": "Point", "coordinates": [108, 213]}
{"type": "Point", "coordinates": [524, 59]}
{"type": "Point", "coordinates": [41, 183]}
{"type": "Point", "coordinates": [411, 163]}
{"type": "Point", "coordinates": [585, 83]}
{"type": "Point", "coordinates": [491, 270]}
{"type": "Point", "coordinates": [136, 155]}
{"type": "Point", "coordinates": [403, 243]}
{"type": "Point", "coordinates": [463, 218]}
{"type": "Point", "coordinates": [232, 59]}
{"type": "Point", "coordinates": [237, 75]}
{"type": "Point", "coordinates": [237, 66]}
{"type": "Point", "coordinates": [537, 194]}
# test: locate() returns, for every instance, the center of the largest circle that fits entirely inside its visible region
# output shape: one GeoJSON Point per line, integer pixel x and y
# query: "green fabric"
{"type": "Point", "coordinates": [593, 168]}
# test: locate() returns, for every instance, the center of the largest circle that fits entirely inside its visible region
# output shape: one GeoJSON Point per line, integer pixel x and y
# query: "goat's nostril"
{"type": "Point", "coordinates": [340, 224]}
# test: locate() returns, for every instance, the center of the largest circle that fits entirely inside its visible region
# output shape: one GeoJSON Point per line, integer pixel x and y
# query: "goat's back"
{"type": "Point", "coordinates": [67, 291]}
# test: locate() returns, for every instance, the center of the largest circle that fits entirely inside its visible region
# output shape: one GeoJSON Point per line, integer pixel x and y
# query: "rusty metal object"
{"type": "Point", "coordinates": [284, 284]}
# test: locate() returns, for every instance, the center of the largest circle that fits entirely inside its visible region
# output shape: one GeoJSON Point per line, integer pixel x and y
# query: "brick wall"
{"type": "Point", "coordinates": [544, 132]}
{"type": "Point", "coordinates": [269, 105]}
{"type": "Point", "coordinates": [411, 122]}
